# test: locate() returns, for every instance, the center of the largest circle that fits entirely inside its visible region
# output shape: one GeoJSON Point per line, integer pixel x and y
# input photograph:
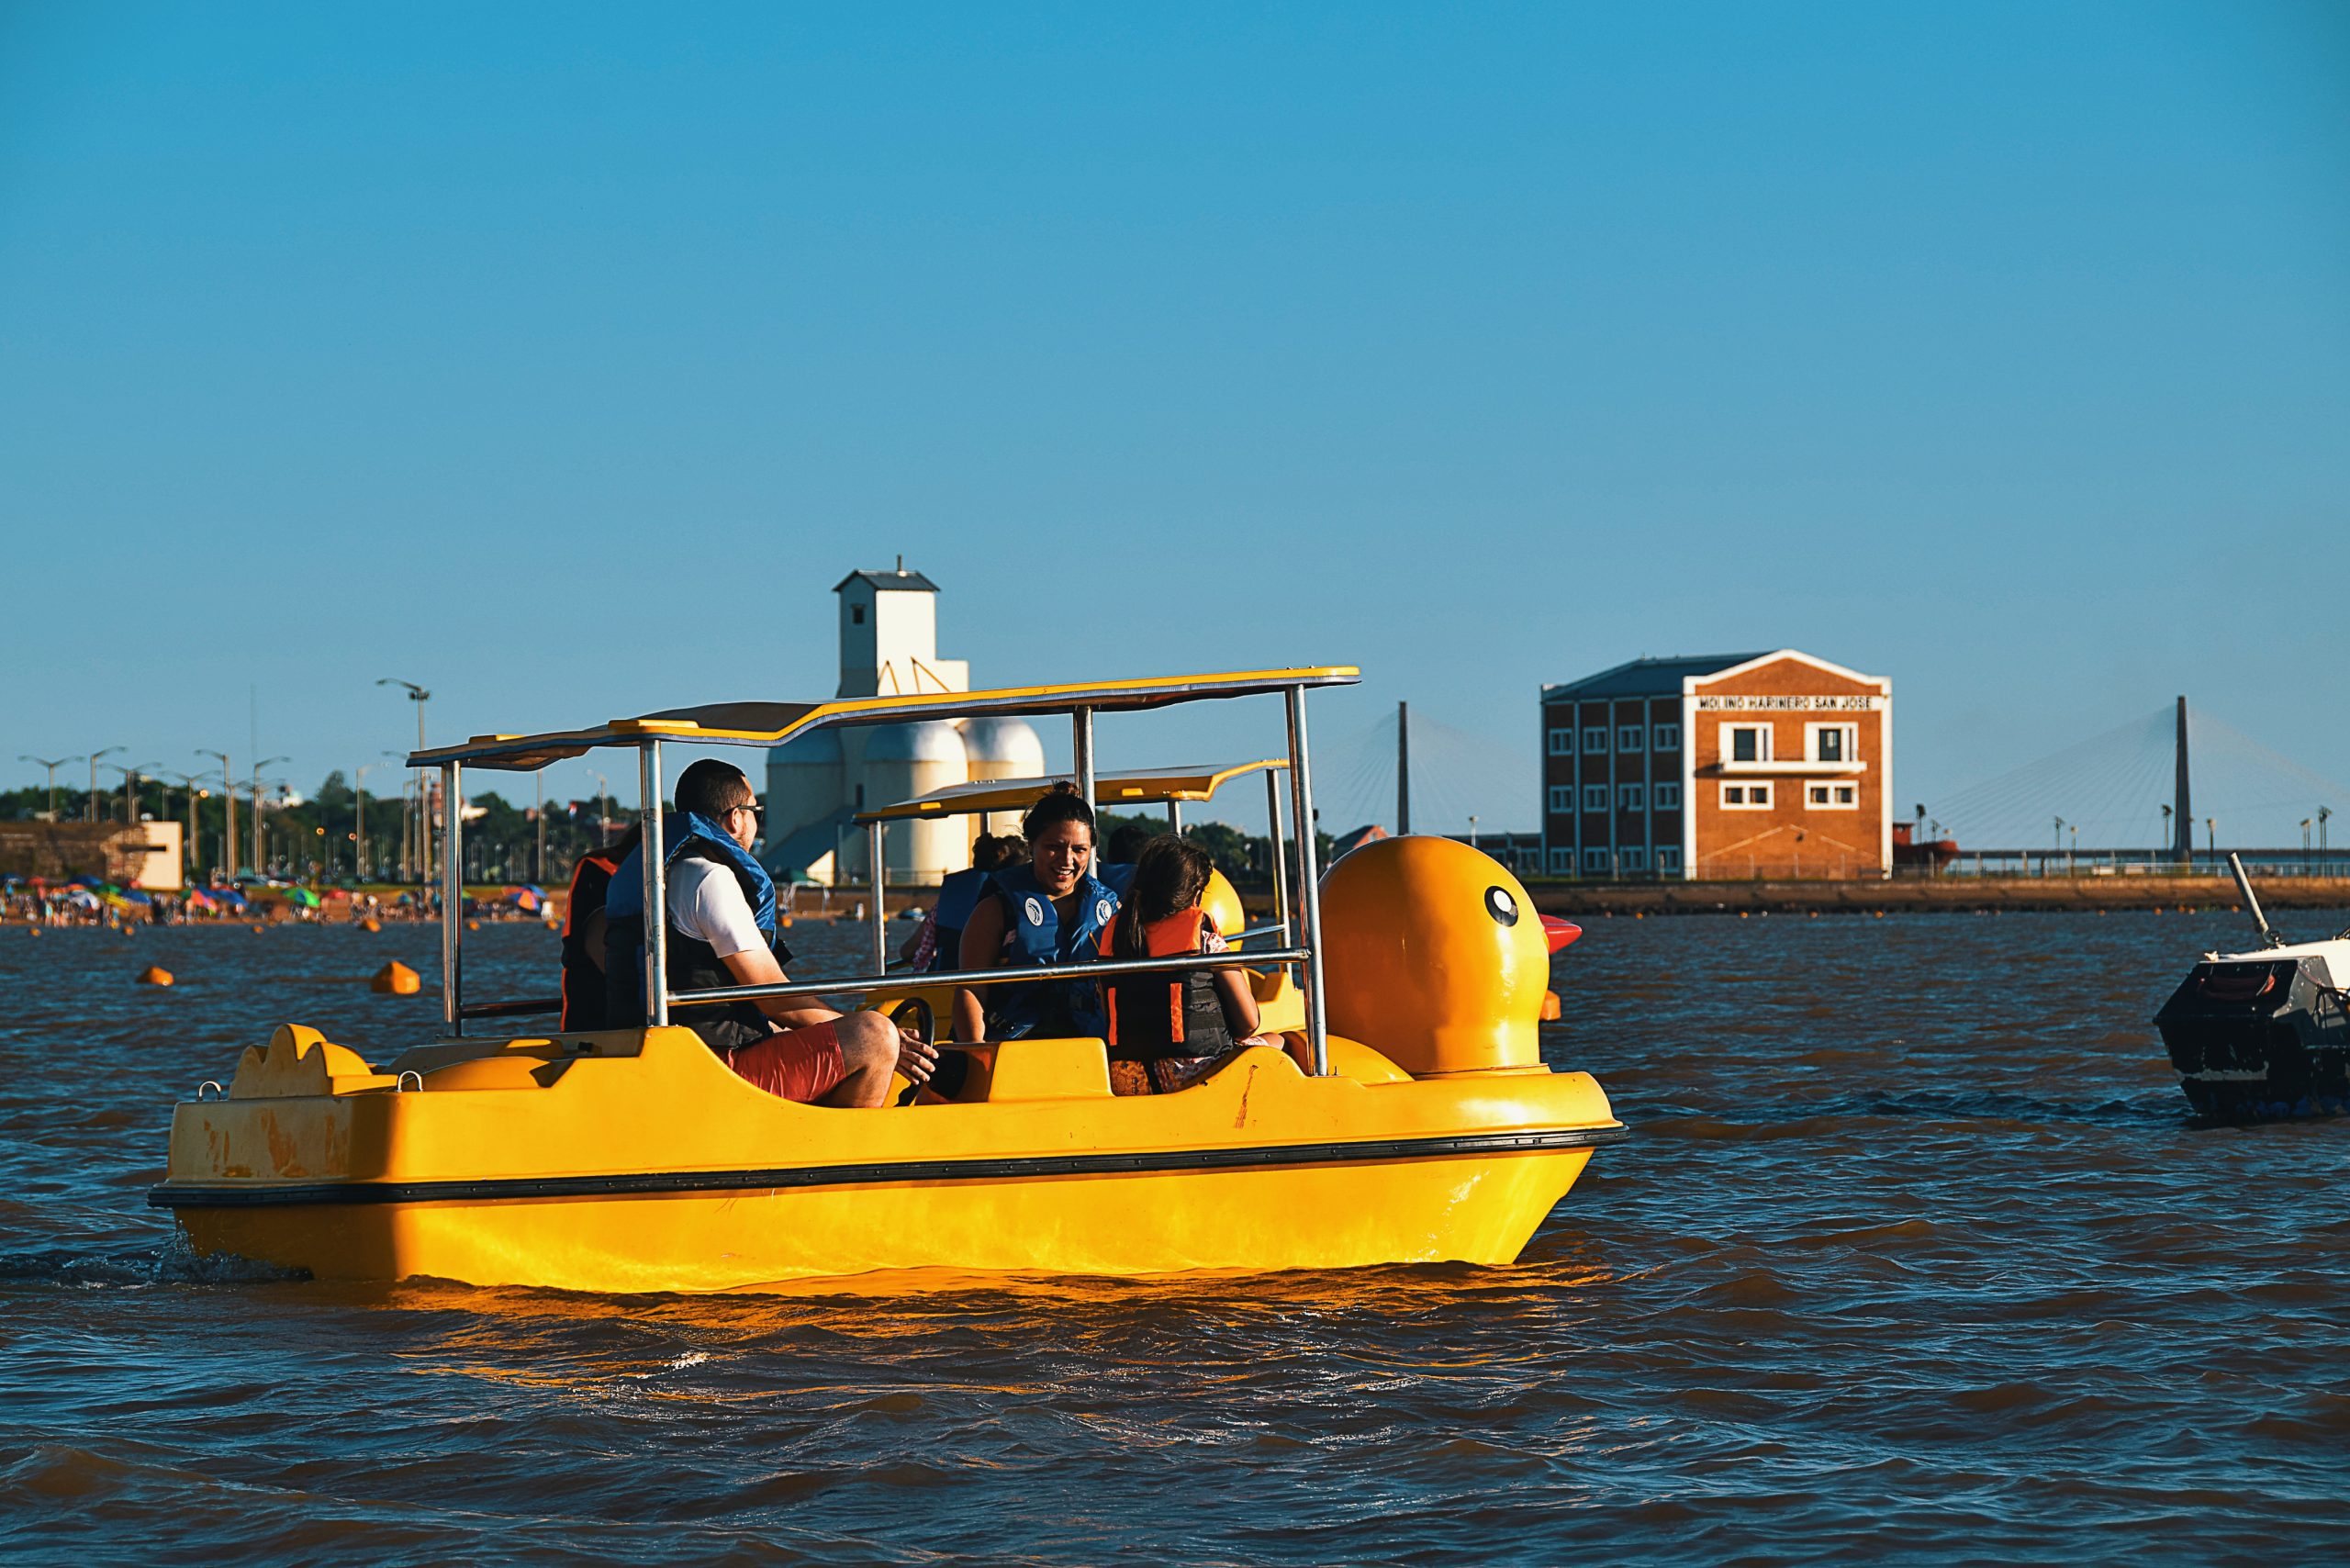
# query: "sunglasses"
{"type": "Point", "coordinates": [758, 814]}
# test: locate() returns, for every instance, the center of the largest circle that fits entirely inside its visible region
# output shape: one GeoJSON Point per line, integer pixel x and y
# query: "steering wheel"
{"type": "Point", "coordinates": [926, 1030]}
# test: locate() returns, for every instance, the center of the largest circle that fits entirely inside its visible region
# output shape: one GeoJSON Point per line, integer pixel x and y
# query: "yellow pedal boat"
{"type": "Point", "coordinates": [1427, 1128]}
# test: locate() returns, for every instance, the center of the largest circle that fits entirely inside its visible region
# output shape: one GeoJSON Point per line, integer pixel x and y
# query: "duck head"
{"type": "Point", "coordinates": [1435, 956]}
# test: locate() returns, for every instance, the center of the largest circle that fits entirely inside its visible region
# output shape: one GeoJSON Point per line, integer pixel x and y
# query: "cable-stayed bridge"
{"type": "Point", "coordinates": [2119, 791]}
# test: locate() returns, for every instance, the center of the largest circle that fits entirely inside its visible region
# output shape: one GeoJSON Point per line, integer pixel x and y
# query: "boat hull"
{"type": "Point", "coordinates": [459, 1172]}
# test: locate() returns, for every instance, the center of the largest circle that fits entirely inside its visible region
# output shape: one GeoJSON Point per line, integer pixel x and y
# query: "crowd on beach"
{"type": "Point", "coordinates": [87, 902]}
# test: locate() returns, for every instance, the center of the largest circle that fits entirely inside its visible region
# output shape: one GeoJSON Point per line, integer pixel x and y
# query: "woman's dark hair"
{"type": "Point", "coordinates": [1168, 878]}
{"type": "Point", "coordinates": [1061, 804]}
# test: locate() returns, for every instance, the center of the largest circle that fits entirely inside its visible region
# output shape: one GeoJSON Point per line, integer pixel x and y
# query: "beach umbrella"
{"type": "Point", "coordinates": [302, 896]}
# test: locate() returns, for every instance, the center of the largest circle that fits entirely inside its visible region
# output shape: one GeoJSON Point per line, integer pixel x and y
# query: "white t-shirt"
{"type": "Point", "coordinates": [706, 903]}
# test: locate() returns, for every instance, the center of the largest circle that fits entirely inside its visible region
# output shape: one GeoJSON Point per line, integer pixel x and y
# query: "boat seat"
{"type": "Point", "coordinates": [1033, 1070]}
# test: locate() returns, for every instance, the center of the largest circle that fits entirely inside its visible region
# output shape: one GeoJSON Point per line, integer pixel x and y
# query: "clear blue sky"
{"type": "Point", "coordinates": [2002, 349]}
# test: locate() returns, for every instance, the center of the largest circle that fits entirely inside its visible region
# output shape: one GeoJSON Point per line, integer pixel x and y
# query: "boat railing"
{"type": "Point", "coordinates": [900, 979]}
{"type": "Point", "coordinates": [713, 995]}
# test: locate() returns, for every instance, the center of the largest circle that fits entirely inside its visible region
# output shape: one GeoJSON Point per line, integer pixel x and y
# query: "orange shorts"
{"type": "Point", "coordinates": [801, 1064]}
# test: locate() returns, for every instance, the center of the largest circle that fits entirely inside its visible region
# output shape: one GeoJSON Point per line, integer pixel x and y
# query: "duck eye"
{"type": "Point", "coordinates": [1501, 906]}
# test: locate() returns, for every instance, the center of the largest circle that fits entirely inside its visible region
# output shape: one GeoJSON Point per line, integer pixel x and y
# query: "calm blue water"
{"type": "Point", "coordinates": [1914, 1254]}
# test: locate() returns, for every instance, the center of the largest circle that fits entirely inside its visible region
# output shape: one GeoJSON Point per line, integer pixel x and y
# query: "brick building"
{"type": "Point", "coordinates": [1721, 765]}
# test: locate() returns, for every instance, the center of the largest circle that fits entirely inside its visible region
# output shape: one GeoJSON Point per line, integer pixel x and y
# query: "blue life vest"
{"type": "Point", "coordinates": [1118, 877]}
{"type": "Point", "coordinates": [693, 966]}
{"type": "Point", "coordinates": [626, 895]}
{"type": "Point", "coordinates": [958, 895]}
{"type": "Point", "coordinates": [1034, 927]}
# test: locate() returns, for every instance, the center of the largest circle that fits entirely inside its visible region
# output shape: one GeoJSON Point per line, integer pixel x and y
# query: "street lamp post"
{"type": "Point", "coordinates": [359, 826]}
{"type": "Point", "coordinates": [94, 778]}
{"type": "Point", "coordinates": [264, 762]}
{"type": "Point", "coordinates": [52, 767]}
{"type": "Point", "coordinates": [130, 788]}
{"type": "Point", "coordinates": [228, 811]}
{"type": "Point", "coordinates": [418, 696]}
{"type": "Point", "coordinates": [187, 850]}
{"type": "Point", "coordinates": [2060, 836]}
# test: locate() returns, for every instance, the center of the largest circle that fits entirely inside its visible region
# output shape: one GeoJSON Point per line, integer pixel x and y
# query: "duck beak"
{"type": "Point", "coordinates": [1559, 932]}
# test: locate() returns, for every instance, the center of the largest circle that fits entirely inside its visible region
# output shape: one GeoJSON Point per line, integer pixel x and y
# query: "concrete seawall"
{"type": "Point", "coordinates": [1952, 894]}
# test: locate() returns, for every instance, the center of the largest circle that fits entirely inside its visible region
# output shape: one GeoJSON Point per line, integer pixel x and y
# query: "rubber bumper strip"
{"type": "Point", "coordinates": [1015, 1168]}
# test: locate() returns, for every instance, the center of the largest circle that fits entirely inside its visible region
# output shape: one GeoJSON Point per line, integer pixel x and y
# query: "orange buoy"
{"type": "Point", "coordinates": [395, 978]}
{"type": "Point", "coordinates": [152, 975]}
{"type": "Point", "coordinates": [370, 923]}
{"type": "Point", "coordinates": [472, 925]}
{"type": "Point", "coordinates": [256, 930]}
{"type": "Point", "coordinates": [1549, 1006]}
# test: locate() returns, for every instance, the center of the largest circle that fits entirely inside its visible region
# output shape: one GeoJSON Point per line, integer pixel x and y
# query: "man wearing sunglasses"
{"type": "Point", "coordinates": [722, 932]}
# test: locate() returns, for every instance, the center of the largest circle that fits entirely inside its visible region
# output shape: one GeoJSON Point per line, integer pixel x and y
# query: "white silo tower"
{"type": "Point", "coordinates": [901, 762]}
{"type": "Point", "coordinates": [1001, 748]}
{"type": "Point", "coordinates": [807, 783]}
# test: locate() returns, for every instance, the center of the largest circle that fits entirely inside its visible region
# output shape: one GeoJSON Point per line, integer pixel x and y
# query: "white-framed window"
{"type": "Point", "coordinates": [1563, 741]}
{"type": "Point", "coordinates": [1668, 738]}
{"type": "Point", "coordinates": [1595, 796]}
{"type": "Point", "coordinates": [1594, 740]}
{"type": "Point", "coordinates": [1563, 861]}
{"type": "Point", "coordinates": [1632, 857]}
{"type": "Point", "coordinates": [1668, 799]}
{"type": "Point", "coordinates": [1631, 797]}
{"type": "Point", "coordinates": [1594, 861]}
{"type": "Point", "coordinates": [1746, 742]}
{"type": "Point", "coordinates": [1562, 796]}
{"type": "Point", "coordinates": [1831, 796]}
{"type": "Point", "coordinates": [1667, 859]}
{"type": "Point", "coordinates": [1832, 742]}
{"type": "Point", "coordinates": [1746, 797]}
{"type": "Point", "coordinates": [1631, 737]}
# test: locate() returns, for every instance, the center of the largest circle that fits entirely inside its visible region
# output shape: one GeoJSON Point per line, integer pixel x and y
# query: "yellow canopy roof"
{"type": "Point", "coordinates": [1139, 787]}
{"type": "Point", "coordinates": [771, 724]}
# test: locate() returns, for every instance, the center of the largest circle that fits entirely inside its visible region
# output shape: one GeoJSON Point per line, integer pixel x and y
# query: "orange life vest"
{"type": "Point", "coordinates": [1165, 1015]}
{"type": "Point", "coordinates": [583, 977]}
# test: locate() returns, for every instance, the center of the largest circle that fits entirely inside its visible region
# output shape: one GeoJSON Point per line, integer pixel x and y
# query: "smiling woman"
{"type": "Point", "coordinates": [1048, 912]}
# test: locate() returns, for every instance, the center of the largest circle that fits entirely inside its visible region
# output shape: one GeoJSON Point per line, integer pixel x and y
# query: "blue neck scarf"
{"type": "Point", "coordinates": [625, 896]}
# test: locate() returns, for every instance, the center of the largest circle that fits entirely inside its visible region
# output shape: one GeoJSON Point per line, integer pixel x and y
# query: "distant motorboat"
{"type": "Point", "coordinates": [2265, 1034]}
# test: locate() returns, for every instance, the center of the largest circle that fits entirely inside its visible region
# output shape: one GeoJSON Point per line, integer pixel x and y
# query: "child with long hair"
{"type": "Point", "coordinates": [1167, 1032]}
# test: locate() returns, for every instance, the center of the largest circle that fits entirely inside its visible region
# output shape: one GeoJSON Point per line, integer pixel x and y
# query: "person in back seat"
{"type": "Point", "coordinates": [1118, 857]}
{"type": "Point", "coordinates": [1169, 1030]}
{"type": "Point", "coordinates": [721, 923]}
{"type": "Point", "coordinates": [583, 932]}
{"type": "Point", "coordinates": [939, 944]}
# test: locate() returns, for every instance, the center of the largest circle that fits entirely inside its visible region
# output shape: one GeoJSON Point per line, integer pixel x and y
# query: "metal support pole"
{"type": "Point", "coordinates": [1080, 738]}
{"type": "Point", "coordinates": [1175, 816]}
{"type": "Point", "coordinates": [1273, 842]}
{"type": "Point", "coordinates": [874, 843]}
{"type": "Point", "coordinates": [1309, 892]}
{"type": "Point", "coordinates": [453, 899]}
{"type": "Point", "coordinates": [1080, 726]}
{"type": "Point", "coordinates": [657, 888]}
